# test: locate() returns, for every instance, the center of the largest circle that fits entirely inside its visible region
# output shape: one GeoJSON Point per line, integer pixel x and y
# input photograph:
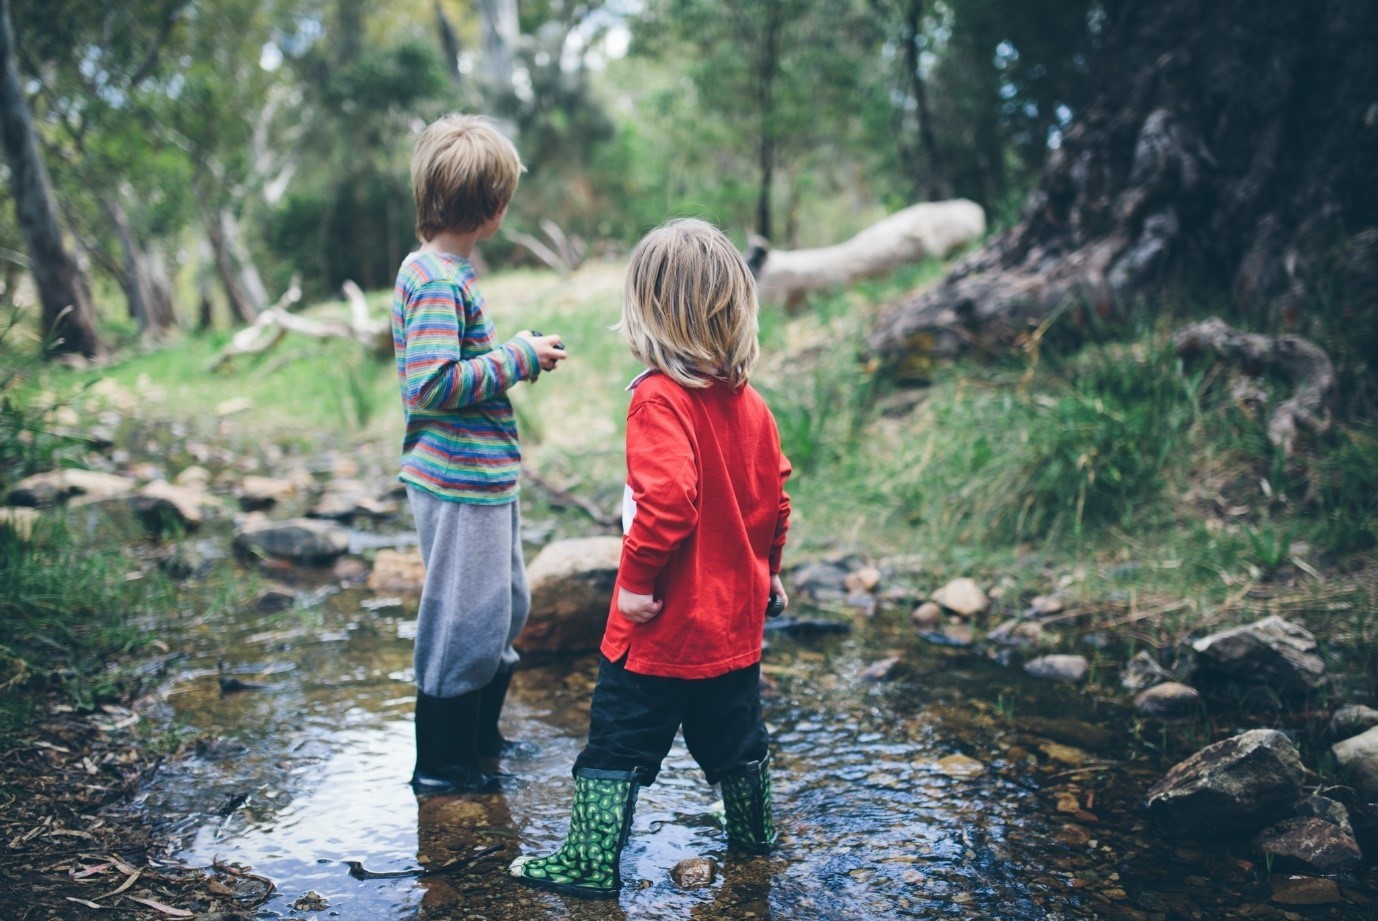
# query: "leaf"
{"type": "Point", "coordinates": [165, 909]}
{"type": "Point", "coordinates": [85, 902]}
{"type": "Point", "coordinates": [123, 886]}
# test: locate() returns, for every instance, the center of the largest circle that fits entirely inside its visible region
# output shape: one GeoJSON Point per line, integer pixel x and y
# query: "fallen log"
{"type": "Point", "coordinates": [272, 325]}
{"type": "Point", "coordinates": [1301, 362]}
{"type": "Point", "coordinates": [923, 231]}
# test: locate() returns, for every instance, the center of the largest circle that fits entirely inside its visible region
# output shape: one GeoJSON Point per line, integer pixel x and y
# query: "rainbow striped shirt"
{"type": "Point", "coordinates": [461, 437]}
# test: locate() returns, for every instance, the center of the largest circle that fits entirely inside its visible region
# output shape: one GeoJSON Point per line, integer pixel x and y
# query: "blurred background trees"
{"type": "Point", "coordinates": [203, 153]}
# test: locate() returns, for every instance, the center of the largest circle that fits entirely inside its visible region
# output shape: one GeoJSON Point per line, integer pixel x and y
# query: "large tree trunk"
{"type": "Point", "coordinates": [149, 296]}
{"type": "Point", "coordinates": [241, 306]}
{"type": "Point", "coordinates": [501, 31]}
{"type": "Point", "coordinates": [68, 318]}
{"type": "Point", "coordinates": [1230, 144]}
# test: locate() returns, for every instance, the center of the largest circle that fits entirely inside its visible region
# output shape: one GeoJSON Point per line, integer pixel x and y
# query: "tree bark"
{"type": "Point", "coordinates": [449, 43]}
{"type": "Point", "coordinates": [241, 307]}
{"type": "Point", "coordinates": [930, 169]}
{"type": "Point", "coordinates": [149, 297]}
{"type": "Point", "coordinates": [1230, 146]}
{"type": "Point", "coordinates": [67, 315]}
{"type": "Point", "coordinates": [501, 30]}
{"type": "Point", "coordinates": [767, 71]}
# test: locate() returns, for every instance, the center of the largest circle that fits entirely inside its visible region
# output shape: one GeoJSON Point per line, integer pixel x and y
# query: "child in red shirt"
{"type": "Point", "coordinates": [704, 521]}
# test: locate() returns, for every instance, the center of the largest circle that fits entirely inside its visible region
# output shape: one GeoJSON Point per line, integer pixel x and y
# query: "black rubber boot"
{"type": "Point", "coordinates": [746, 800]}
{"type": "Point", "coordinates": [491, 743]}
{"type": "Point", "coordinates": [586, 865]}
{"type": "Point", "coordinates": [447, 746]}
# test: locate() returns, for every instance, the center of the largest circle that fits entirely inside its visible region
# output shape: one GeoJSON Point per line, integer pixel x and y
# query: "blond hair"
{"type": "Point", "coordinates": [689, 308]}
{"type": "Point", "coordinates": [463, 172]}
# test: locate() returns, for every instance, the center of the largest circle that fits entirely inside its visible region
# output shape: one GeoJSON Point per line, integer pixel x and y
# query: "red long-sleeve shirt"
{"type": "Point", "coordinates": [707, 528]}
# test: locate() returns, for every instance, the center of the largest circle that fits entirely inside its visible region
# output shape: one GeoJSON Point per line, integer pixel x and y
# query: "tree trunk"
{"type": "Point", "coordinates": [929, 169]}
{"type": "Point", "coordinates": [67, 316]}
{"type": "Point", "coordinates": [1230, 145]}
{"type": "Point", "coordinates": [150, 298]}
{"type": "Point", "coordinates": [249, 278]}
{"type": "Point", "coordinates": [240, 305]}
{"type": "Point", "coordinates": [501, 30]}
{"type": "Point", "coordinates": [449, 43]}
{"type": "Point", "coordinates": [768, 66]}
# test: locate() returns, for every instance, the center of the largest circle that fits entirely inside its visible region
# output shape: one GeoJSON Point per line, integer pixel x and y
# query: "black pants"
{"type": "Point", "coordinates": [633, 721]}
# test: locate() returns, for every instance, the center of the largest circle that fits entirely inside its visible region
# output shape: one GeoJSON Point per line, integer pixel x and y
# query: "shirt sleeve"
{"type": "Point", "coordinates": [663, 477]}
{"type": "Point", "coordinates": [435, 376]}
{"type": "Point", "coordinates": [777, 546]}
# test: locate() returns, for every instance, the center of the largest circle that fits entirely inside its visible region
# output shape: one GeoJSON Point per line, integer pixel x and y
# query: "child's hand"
{"type": "Point", "coordinates": [637, 608]}
{"type": "Point", "coordinates": [778, 588]}
{"type": "Point", "coordinates": [550, 350]}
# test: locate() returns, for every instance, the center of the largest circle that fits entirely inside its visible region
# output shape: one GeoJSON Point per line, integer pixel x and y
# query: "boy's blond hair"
{"type": "Point", "coordinates": [463, 172]}
{"type": "Point", "coordinates": [689, 308]}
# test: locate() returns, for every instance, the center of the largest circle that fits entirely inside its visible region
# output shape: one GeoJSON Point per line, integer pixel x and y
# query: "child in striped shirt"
{"type": "Point", "coordinates": [460, 455]}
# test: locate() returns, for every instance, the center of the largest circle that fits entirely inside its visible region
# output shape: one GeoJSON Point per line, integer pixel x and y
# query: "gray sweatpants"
{"type": "Point", "coordinates": [475, 600]}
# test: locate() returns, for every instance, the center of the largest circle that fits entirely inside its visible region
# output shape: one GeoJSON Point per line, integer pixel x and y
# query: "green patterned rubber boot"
{"type": "Point", "coordinates": [586, 865]}
{"type": "Point", "coordinates": [746, 802]}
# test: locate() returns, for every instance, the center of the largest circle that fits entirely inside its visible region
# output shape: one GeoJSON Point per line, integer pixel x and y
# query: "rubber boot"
{"type": "Point", "coordinates": [746, 802]}
{"type": "Point", "coordinates": [586, 865]}
{"type": "Point", "coordinates": [447, 746]}
{"type": "Point", "coordinates": [491, 743]}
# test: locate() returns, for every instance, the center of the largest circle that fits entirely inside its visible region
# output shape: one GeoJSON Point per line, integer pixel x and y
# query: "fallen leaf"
{"type": "Point", "coordinates": [123, 886]}
{"type": "Point", "coordinates": [71, 898]}
{"type": "Point", "coordinates": [92, 871]}
{"type": "Point", "coordinates": [165, 909]}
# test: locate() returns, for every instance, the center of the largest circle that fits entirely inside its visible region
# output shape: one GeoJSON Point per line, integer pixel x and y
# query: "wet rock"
{"type": "Point", "coordinates": [806, 627]}
{"type": "Point", "coordinates": [883, 670]}
{"type": "Point", "coordinates": [1044, 606]}
{"type": "Point", "coordinates": [1323, 807]}
{"type": "Point", "coordinates": [926, 616]}
{"type": "Point", "coordinates": [399, 571]}
{"type": "Point", "coordinates": [820, 579]}
{"type": "Point", "coordinates": [1304, 890]}
{"type": "Point", "coordinates": [1170, 698]}
{"type": "Point", "coordinates": [345, 500]}
{"type": "Point", "coordinates": [1018, 632]}
{"type": "Point", "coordinates": [962, 596]}
{"type": "Point", "coordinates": [1064, 754]}
{"type": "Point", "coordinates": [1351, 720]}
{"type": "Point", "coordinates": [959, 766]}
{"type": "Point", "coordinates": [950, 635]}
{"type": "Point", "coordinates": [299, 540]}
{"type": "Point", "coordinates": [162, 507]}
{"type": "Point", "coordinates": [43, 489]}
{"type": "Point", "coordinates": [311, 901]}
{"type": "Point", "coordinates": [350, 570]}
{"type": "Point", "coordinates": [261, 492]}
{"type": "Point", "coordinates": [1074, 732]}
{"type": "Point", "coordinates": [571, 591]}
{"type": "Point", "coordinates": [273, 600]}
{"type": "Point", "coordinates": [1073, 836]}
{"type": "Point", "coordinates": [1142, 672]}
{"type": "Point", "coordinates": [1236, 785]}
{"type": "Point", "coordinates": [1059, 668]}
{"type": "Point", "coordinates": [1271, 651]}
{"type": "Point", "coordinates": [20, 520]}
{"type": "Point", "coordinates": [1358, 757]}
{"type": "Point", "coordinates": [694, 873]}
{"type": "Point", "coordinates": [1311, 845]}
{"type": "Point", "coordinates": [864, 579]}
{"type": "Point", "coordinates": [193, 477]}
{"type": "Point", "coordinates": [184, 561]}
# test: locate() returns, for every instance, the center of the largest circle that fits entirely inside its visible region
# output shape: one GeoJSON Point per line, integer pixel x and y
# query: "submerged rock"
{"type": "Point", "coordinates": [1358, 756]}
{"type": "Point", "coordinates": [1309, 844]}
{"type": "Point", "coordinates": [1271, 651]}
{"type": "Point", "coordinates": [1236, 785]}
{"type": "Point", "coordinates": [1059, 668]}
{"type": "Point", "coordinates": [162, 507]}
{"type": "Point", "coordinates": [694, 873]}
{"type": "Point", "coordinates": [398, 571]}
{"type": "Point", "coordinates": [300, 540]}
{"type": "Point", "coordinates": [1304, 890]}
{"type": "Point", "coordinates": [964, 597]}
{"type": "Point", "coordinates": [1142, 672]}
{"type": "Point", "coordinates": [1170, 698]}
{"type": "Point", "coordinates": [1351, 720]}
{"type": "Point", "coordinates": [1018, 632]}
{"type": "Point", "coordinates": [883, 670]}
{"type": "Point", "coordinates": [571, 591]}
{"type": "Point", "coordinates": [261, 492]}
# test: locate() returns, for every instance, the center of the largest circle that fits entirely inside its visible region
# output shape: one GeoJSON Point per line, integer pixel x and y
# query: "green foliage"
{"type": "Point", "coordinates": [1344, 484]}
{"type": "Point", "coordinates": [27, 443]}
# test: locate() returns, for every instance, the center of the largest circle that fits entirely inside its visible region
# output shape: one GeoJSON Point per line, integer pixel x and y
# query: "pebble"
{"type": "Point", "coordinates": [1059, 668]}
{"type": "Point", "coordinates": [694, 873]}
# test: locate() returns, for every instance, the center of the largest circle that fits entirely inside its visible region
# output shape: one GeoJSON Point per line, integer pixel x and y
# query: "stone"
{"type": "Point", "coordinates": [1142, 672]}
{"type": "Point", "coordinates": [1045, 606]}
{"type": "Point", "coordinates": [571, 583]}
{"type": "Point", "coordinates": [1239, 784]}
{"type": "Point", "coordinates": [233, 406]}
{"type": "Point", "coordinates": [1311, 845]}
{"type": "Point", "coordinates": [1323, 807]}
{"type": "Point", "coordinates": [1358, 757]}
{"type": "Point", "coordinates": [882, 670]}
{"type": "Point", "coordinates": [162, 507]}
{"type": "Point", "coordinates": [1059, 668]}
{"type": "Point", "coordinates": [820, 579]}
{"type": "Point", "coordinates": [1072, 836]}
{"type": "Point", "coordinates": [864, 579]}
{"type": "Point", "coordinates": [951, 635]}
{"type": "Point", "coordinates": [926, 616]}
{"type": "Point", "coordinates": [959, 766]}
{"type": "Point", "coordinates": [1018, 632]}
{"type": "Point", "coordinates": [350, 570]}
{"type": "Point", "coordinates": [193, 477]}
{"type": "Point", "coordinates": [1271, 651]}
{"type": "Point", "coordinates": [263, 492]}
{"type": "Point", "coordinates": [20, 520]}
{"type": "Point", "coordinates": [398, 571]}
{"type": "Point", "coordinates": [273, 600]}
{"type": "Point", "coordinates": [298, 540]}
{"type": "Point", "coordinates": [56, 486]}
{"type": "Point", "coordinates": [1351, 720]}
{"type": "Point", "coordinates": [1304, 890]}
{"type": "Point", "coordinates": [345, 500]}
{"type": "Point", "coordinates": [694, 873]}
{"type": "Point", "coordinates": [1171, 698]}
{"type": "Point", "coordinates": [962, 596]}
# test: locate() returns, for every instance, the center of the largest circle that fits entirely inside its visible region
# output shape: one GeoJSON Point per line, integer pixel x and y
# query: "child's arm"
{"type": "Point", "coordinates": [436, 377]}
{"type": "Point", "coordinates": [664, 482]}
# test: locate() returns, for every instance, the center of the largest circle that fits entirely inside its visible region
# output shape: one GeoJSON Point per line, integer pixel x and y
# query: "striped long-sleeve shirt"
{"type": "Point", "coordinates": [461, 436]}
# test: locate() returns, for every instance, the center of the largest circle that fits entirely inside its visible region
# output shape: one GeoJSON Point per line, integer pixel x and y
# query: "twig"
{"type": "Point", "coordinates": [359, 871]}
